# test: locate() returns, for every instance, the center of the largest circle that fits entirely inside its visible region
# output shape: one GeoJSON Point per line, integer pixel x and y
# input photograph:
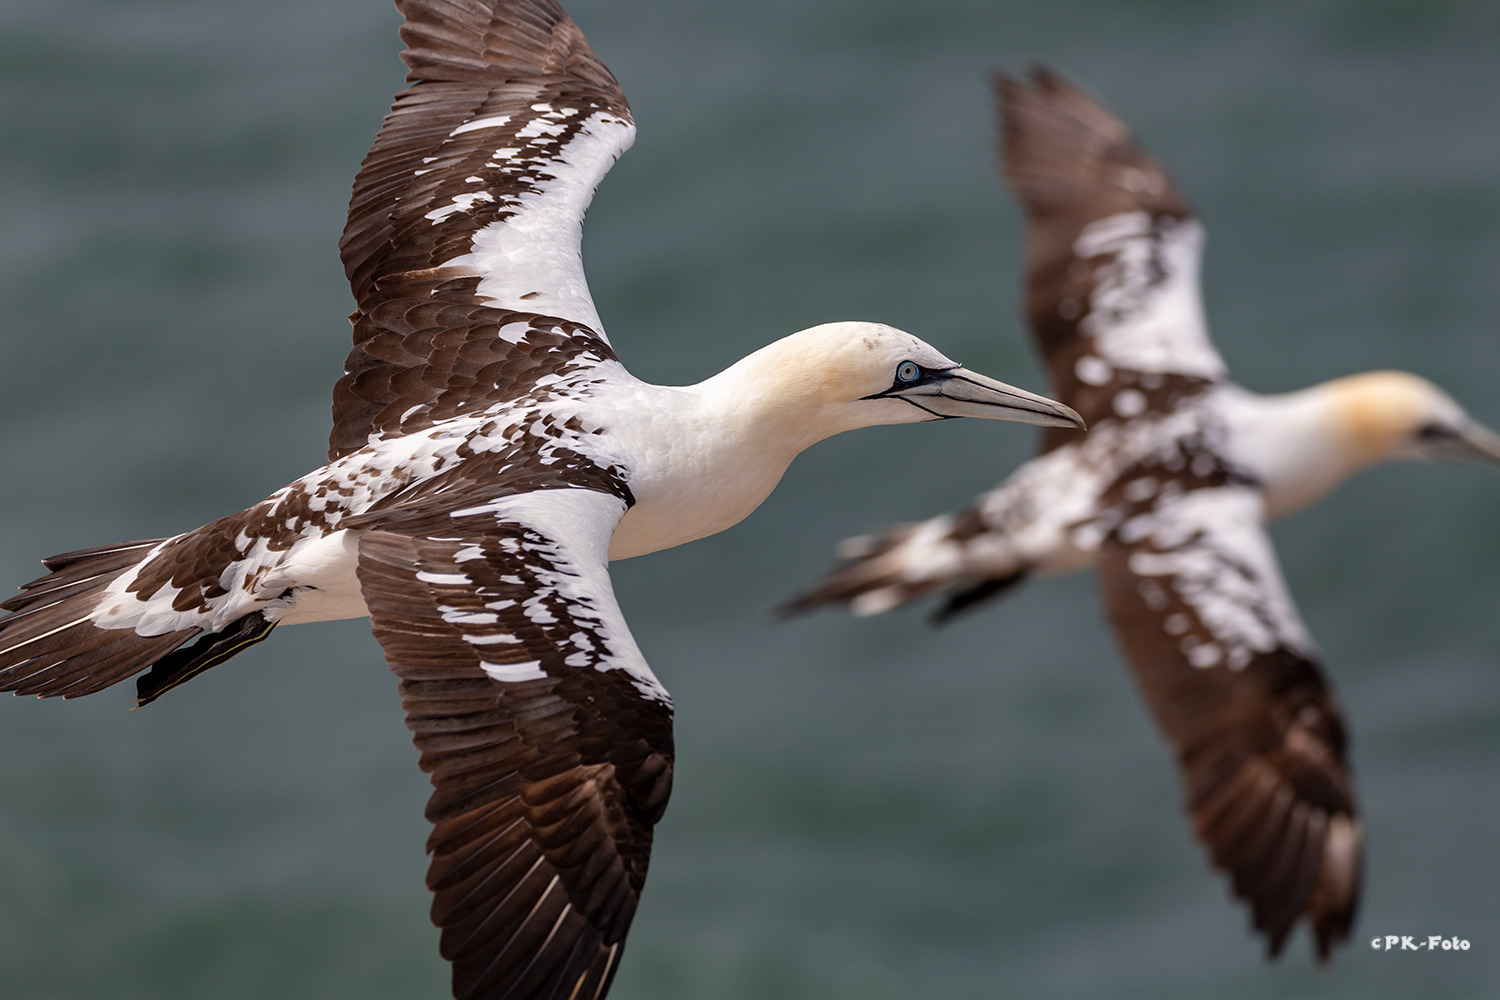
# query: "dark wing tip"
{"type": "Point", "coordinates": [1284, 832]}
{"type": "Point", "coordinates": [1335, 897]}
{"type": "Point", "coordinates": [469, 41]}
{"type": "Point", "coordinates": [1061, 149]}
{"type": "Point", "coordinates": [963, 599]}
{"type": "Point", "coordinates": [1333, 864]}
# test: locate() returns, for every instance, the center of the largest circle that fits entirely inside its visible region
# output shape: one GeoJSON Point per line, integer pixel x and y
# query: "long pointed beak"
{"type": "Point", "coordinates": [959, 392]}
{"type": "Point", "coordinates": [1473, 442]}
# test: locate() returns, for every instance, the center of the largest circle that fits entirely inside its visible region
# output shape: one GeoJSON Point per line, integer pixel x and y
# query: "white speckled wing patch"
{"type": "Point", "coordinates": [530, 259]}
{"type": "Point", "coordinates": [548, 740]}
{"type": "Point", "coordinates": [462, 244]}
{"type": "Point", "coordinates": [1113, 251]}
{"type": "Point", "coordinates": [1145, 309]}
{"type": "Point", "coordinates": [523, 580]}
{"type": "Point", "coordinates": [1209, 548]}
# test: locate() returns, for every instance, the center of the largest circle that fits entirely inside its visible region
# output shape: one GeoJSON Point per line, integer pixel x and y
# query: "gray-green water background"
{"type": "Point", "coordinates": [864, 809]}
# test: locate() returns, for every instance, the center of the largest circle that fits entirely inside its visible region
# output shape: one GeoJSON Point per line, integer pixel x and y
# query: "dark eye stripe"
{"type": "Point", "coordinates": [1429, 432]}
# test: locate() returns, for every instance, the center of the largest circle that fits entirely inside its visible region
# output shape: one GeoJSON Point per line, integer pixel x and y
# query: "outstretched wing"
{"type": "Point", "coordinates": [1112, 251]}
{"type": "Point", "coordinates": [463, 239]}
{"type": "Point", "coordinates": [547, 737]}
{"type": "Point", "coordinates": [1192, 587]}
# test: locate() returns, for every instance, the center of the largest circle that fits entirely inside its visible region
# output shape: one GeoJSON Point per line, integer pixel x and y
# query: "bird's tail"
{"type": "Point", "coordinates": [884, 570]}
{"type": "Point", "coordinates": [52, 645]}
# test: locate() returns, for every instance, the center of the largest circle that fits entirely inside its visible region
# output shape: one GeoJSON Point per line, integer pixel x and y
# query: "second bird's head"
{"type": "Point", "coordinates": [1389, 414]}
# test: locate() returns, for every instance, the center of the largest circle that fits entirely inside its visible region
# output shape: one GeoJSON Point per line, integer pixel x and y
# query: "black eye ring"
{"type": "Point", "coordinates": [908, 371]}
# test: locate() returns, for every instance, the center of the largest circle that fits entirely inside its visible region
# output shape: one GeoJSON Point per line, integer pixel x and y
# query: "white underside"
{"type": "Point", "coordinates": [322, 573]}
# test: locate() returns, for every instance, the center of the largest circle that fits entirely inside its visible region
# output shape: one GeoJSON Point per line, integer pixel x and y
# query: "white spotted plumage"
{"type": "Point", "coordinates": [1145, 313]}
{"type": "Point", "coordinates": [490, 454]}
{"type": "Point", "coordinates": [1167, 496]}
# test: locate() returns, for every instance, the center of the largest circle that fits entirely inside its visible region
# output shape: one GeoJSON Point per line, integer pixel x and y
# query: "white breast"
{"type": "Point", "coordinates": [696, 466]}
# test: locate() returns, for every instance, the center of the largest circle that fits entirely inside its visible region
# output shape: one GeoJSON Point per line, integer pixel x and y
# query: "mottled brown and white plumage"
{"type": "Point", "coordinates": [1167, 495]}
{"type": "Point", "coordinates": [489, 455]}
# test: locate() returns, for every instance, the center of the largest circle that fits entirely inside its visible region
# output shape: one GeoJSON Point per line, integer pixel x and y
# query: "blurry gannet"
{"type": "Point", "coordinates": [1167, 494]}
{"type": "Point", "coordinates": [489, 455]}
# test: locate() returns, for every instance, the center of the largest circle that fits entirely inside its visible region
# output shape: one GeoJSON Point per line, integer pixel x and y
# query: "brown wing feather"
{"type": "Point", "coordinates": [466, 61]}
{"type": "Point", "coordinates": [545, 789]}
{"type": "Point", "coordinates": [426, 345]}
{"type": "Point", "coordinates": [1257, 733]}
{"type": "Point", "coordinates": [1070, 163]}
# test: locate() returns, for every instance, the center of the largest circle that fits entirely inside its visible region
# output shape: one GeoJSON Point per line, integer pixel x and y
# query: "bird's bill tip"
{"type": "Point", "coordinates": [1473, 443]}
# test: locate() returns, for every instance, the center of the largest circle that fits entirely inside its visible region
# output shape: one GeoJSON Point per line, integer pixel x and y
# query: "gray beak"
{"type": "Point", "coordinates": [958, 392]}
{"type": "Point", "coordinates": [1473, 442]}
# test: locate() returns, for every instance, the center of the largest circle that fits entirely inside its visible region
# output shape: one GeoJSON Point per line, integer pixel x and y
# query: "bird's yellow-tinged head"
{"type": "Point", "coordinates": [1389, 414]}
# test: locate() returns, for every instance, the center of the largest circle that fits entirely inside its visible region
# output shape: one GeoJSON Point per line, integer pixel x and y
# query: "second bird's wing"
{"type": "Point", "coordinates": [1200, 610]}
{"type": "Point", "coordinates": [1112, 253]}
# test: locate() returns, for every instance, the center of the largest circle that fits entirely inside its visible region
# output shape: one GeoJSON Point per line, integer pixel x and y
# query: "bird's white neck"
{"type": "Point", "coordinates": [1304, 444]}
{"type": "Point", "coordinates": [711, 453]}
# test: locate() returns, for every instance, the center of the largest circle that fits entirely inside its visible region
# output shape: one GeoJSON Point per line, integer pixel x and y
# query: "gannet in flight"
{"type": "Point", "coordinates": [1167, 495]}
{"type": "Point", "coordinates": [489, 455]}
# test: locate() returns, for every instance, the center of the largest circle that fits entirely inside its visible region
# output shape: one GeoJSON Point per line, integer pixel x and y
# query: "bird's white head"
{"type": "Point", "coordinates": [1388, 414]}
{"type": "Point", "coordinates": [840, 376]}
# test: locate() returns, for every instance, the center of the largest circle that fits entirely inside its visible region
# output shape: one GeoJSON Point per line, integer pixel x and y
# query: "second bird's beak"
{"type": "Point", "coordinates": [958, 392]}
{"type": "Point", "coordinates": [1473, 442]}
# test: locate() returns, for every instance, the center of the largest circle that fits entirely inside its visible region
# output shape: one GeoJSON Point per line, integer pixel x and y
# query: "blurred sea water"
{"type": "Point", "coordinates": [864, 808]}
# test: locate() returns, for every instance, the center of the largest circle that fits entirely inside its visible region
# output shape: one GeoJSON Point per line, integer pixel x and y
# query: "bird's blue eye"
{"type": "Point", "coordinates": [907, 371]}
